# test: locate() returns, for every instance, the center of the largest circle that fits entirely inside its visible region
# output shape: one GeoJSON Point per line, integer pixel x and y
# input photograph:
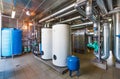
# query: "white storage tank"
{"type": "Point", "coordinates": [60, 44]}
{"type": "Point", "coordinates": [46, 40]}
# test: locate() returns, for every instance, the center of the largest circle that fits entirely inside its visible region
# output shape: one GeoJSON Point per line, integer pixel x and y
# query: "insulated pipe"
{"type": "Point", "coordinates": [96, 28]}
{"type": "Point", "coordinates": [0, 34]}
{"type": "Point", "coordinates": [114, 11]}
{"type": "Point", "coordinates": [106, 41]}
{"type": "Point", "coordinates": [71, 19]}
{"type": "Point", "coordinates": [110, 4]}
{"type": "Point", "coordinates": [83, 24]}
{"type": "Point", "coordinates": [65, 14]}
{"type": "Point", "coordinates": [102, 6]}
{"type": "Point", "coordinates": [58, 12]}
{"type": "Point", "coordinates": [89, 8]}
{"type": "Point", "coordinates": [117, 36]}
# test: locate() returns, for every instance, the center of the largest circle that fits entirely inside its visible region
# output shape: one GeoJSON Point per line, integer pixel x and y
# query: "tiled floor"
{"type": "Point", "coordinates": [27, 67]}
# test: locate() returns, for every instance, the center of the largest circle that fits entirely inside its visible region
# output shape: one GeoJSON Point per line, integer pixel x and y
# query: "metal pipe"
{"type": "Point", "coordinates": [110, 5]}
{"type": "Point", "coordinates": [117, 38]}
{"type": "Point", "coordinates": [65, 14]}
{"type": "Point", "coordinates": [83, 24]}
{"type": "Point", "coordinates": [71, 19]}
{"type": "Point", "coordinates": [90, 34]}
{"type": "Point", "coordinates": [6, 16]}
{"type": "Point", "coordinates": [114, 11]}
{"type": "Point", "coordinates": [83, 13]}
{"type": "Point", "coordinates": [102, 6]}
{"type": "Point", "coordinates": [57, 13]}
{"type": "Point", "coordinates": [89, 9]}
{"type": "Point", "coordinates": [106, 42]}
{"type": "Point", "coordinates": [0, 34]}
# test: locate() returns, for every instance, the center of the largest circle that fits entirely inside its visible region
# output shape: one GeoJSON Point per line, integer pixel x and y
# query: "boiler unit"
{"type": "Point", "coordinates": [46, 43]}
{"type": "Point", "coordinates": [60, 44]}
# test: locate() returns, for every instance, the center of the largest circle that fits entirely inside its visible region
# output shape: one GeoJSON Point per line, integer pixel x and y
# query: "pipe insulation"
{"type": "Point", "coordinates": [116, 23]}
{"type": "Point", "coordinates": [0, 34]}
{"type": "Point", "coordinates": [102, 6]}
{"type": "Point", "coordinates": [106, 42]}
{"type": "Point", "coordinates": [60, 16]}
{"type": "Point", "coordinates": [82, 24]}
{"type": "Point", "coordinates": [71, 19]}
{"type": "Point", "coordinates": [58, 12]}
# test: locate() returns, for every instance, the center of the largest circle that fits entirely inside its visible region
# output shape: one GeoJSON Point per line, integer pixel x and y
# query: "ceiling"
{"type": "Point", "coordinates": [40, 8]}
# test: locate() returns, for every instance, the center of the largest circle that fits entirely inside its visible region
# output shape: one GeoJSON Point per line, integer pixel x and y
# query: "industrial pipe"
{"type": "Point", "coordinates": [58, 12]}
{"type": "Point", "coordinates": [89, 9]}
{"type": "Point", "coordinates": [0, 34]}
{"type": "Point", "coordinates": [106, 42]}
{"type": "Point", "coordinates": [116, 10]}
{"type": "Point", "coordinates": [102, 6]}
{"type": "Point", "coordinates": [65, 14]}
{"type": "Point", "coordinates": [82, 24]}
{"type": "Point", "coordinates": [71, 19]}
{"type": "Point", "coordinates": [117, 36]}
{"type": "Point", "coordinates": [110, 4]}
{"type": "Point", "coordinates": [104, 54]}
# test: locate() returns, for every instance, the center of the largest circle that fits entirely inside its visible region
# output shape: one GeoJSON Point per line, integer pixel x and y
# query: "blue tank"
{"type": "Point", "coordinates": [11, 41]}
{"type": "Point", "coordinates": [17, 41]}
{"type": "Point", "coordinates": [73, 63]}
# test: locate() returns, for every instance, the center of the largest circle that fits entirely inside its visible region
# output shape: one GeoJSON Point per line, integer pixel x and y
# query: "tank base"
{"type": "Point", "coordinates": [101, 64]}
{"type": "Point", "coordinates": [49, 63]}
{"type": "Point", "coordinates": [77, 73]}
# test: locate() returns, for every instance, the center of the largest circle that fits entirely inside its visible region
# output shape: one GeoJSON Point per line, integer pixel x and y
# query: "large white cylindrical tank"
{"type": "Point", "coordinates": [60, 44]}
{"type": "Point", "coordinates": [46, 40]}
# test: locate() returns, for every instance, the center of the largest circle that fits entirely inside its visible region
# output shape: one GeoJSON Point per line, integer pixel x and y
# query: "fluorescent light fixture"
{"type": "Point", "coordinates": [13, 14]}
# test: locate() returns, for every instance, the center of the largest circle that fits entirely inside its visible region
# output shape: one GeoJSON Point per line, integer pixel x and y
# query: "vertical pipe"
{"type": "Point", "coordinates": [117, 37]}
{"type": "Point", "coordinates": [99, 52]}
{"type": "Point", "coordinates": [0, 34]}
{"type": "Point", "coordinates": [106, 42]}
{"type": "Point", "coordinates": [96, 28]}
{"type": "Point", "coordinates": [89, 39]}
{"type": "Point", "coordinates": [17, 23]}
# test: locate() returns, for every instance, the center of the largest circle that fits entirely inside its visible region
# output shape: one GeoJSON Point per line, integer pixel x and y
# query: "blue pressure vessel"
{"type": "Point", "coordinates": [73, 63]}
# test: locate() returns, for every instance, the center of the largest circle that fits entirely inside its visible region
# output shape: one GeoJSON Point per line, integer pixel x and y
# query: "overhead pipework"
{"type": "Point", "coordinates": [102, 6]}
{"type": "Point", "coordinates": [57, 13]}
